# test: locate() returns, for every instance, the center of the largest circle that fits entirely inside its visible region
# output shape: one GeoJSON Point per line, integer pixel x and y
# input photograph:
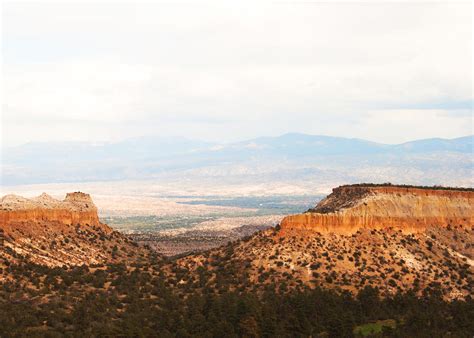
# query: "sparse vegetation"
{"type": "Point", "coordinates": [138, 300]}
{"type": "Point", "coordinates": [434, 187]}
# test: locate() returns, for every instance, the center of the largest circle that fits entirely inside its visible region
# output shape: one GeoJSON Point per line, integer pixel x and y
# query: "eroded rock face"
{"type": "Point", "coordinates": [350, 208]}
{"type": "Point", "coordinates": [76, 209]}
{"type": "Point", "coordinates": [48, 231]}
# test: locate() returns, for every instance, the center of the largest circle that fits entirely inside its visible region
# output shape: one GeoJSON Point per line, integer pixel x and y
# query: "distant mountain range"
{"type": "Point", "coordinates": [291, 157]}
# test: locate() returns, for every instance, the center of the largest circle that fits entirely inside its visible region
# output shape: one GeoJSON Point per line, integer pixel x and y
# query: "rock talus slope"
{"type": "Point", "coordinates": [411, 210]}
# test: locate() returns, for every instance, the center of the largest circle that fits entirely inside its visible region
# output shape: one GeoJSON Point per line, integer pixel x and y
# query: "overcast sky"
{"type": "Point", "coordinates": [388, 72]}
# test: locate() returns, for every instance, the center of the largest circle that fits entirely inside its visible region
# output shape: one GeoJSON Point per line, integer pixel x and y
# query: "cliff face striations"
{"type": "Point", "coordinates": [55, 233]}
{"type": "Point", "coordinates": [409, 209]}
{"type": "Point", "coordinates": [390, 237]}
{"type": "Point", "coordinates": [76, 209]}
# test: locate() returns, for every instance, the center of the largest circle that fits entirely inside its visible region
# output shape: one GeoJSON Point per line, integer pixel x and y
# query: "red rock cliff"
{"type": "Point", "coordinates": [51, 232]}
{"type": "Point", "coordinates": [350, 208]}
{"type": "Point", "coordinates": [76, 208]}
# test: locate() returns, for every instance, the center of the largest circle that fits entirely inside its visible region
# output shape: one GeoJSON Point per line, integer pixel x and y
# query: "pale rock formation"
{"type": "Point", "coordinates": [351, 208]}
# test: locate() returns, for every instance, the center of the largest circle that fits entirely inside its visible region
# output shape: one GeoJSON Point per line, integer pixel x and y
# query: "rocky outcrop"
{"type": "Point", "coordinates": [409, 209]}
{"type": "Point", "coordinates": [48, 231]}
{"type": "Point", "coordinates": [76, 209]}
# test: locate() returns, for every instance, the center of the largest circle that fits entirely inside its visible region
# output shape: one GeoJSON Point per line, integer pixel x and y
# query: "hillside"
{"type": "Point", "coordinates": [56, 233]}
{"type": "Point", "coordinates": [273, 283]}
{"type": "Point", "coordinates": [428, 242]}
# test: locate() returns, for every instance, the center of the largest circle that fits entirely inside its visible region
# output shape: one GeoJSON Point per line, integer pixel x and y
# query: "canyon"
{"type": "Point", "coordinates": [394, 238]}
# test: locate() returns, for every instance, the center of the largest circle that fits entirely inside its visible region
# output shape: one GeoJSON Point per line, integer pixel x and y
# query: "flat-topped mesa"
{"type": "Point", "coordinates": [410, 209]}
{"type": "Point", "coordinates": [76, 208]}
{"type": "Point", "coordinates": [51, 232]}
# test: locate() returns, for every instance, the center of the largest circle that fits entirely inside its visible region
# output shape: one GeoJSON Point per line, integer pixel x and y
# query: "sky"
{"type": "Point", "coordinates": [225, 71]}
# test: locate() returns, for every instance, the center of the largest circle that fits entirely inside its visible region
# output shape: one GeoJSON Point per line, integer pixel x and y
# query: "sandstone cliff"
{"type": "Point", "coordinates": [54, 232]}
{"type": "Point", "coordinates": [77, 208]}
{"type": "Point", "coordinates": [351, 240]}
{"type": "Point", "coordinates": [410, 209]}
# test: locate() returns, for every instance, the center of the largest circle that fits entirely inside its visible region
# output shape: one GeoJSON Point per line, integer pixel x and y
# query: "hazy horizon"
{"type": "Point", "coordinates": [303, 95]}
{"type": "Point", "coordinates": [382, 71]}
{"type": "Point", "coordinates": [309, 161]}
{"type": "Point", "coordinates": [178, 137]}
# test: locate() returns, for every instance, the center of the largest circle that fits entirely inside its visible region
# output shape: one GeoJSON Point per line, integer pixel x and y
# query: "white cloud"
{"type": "Point", "coordinates": [408, 124]}
{"type": "Point", "coordinates": [226, 72]}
